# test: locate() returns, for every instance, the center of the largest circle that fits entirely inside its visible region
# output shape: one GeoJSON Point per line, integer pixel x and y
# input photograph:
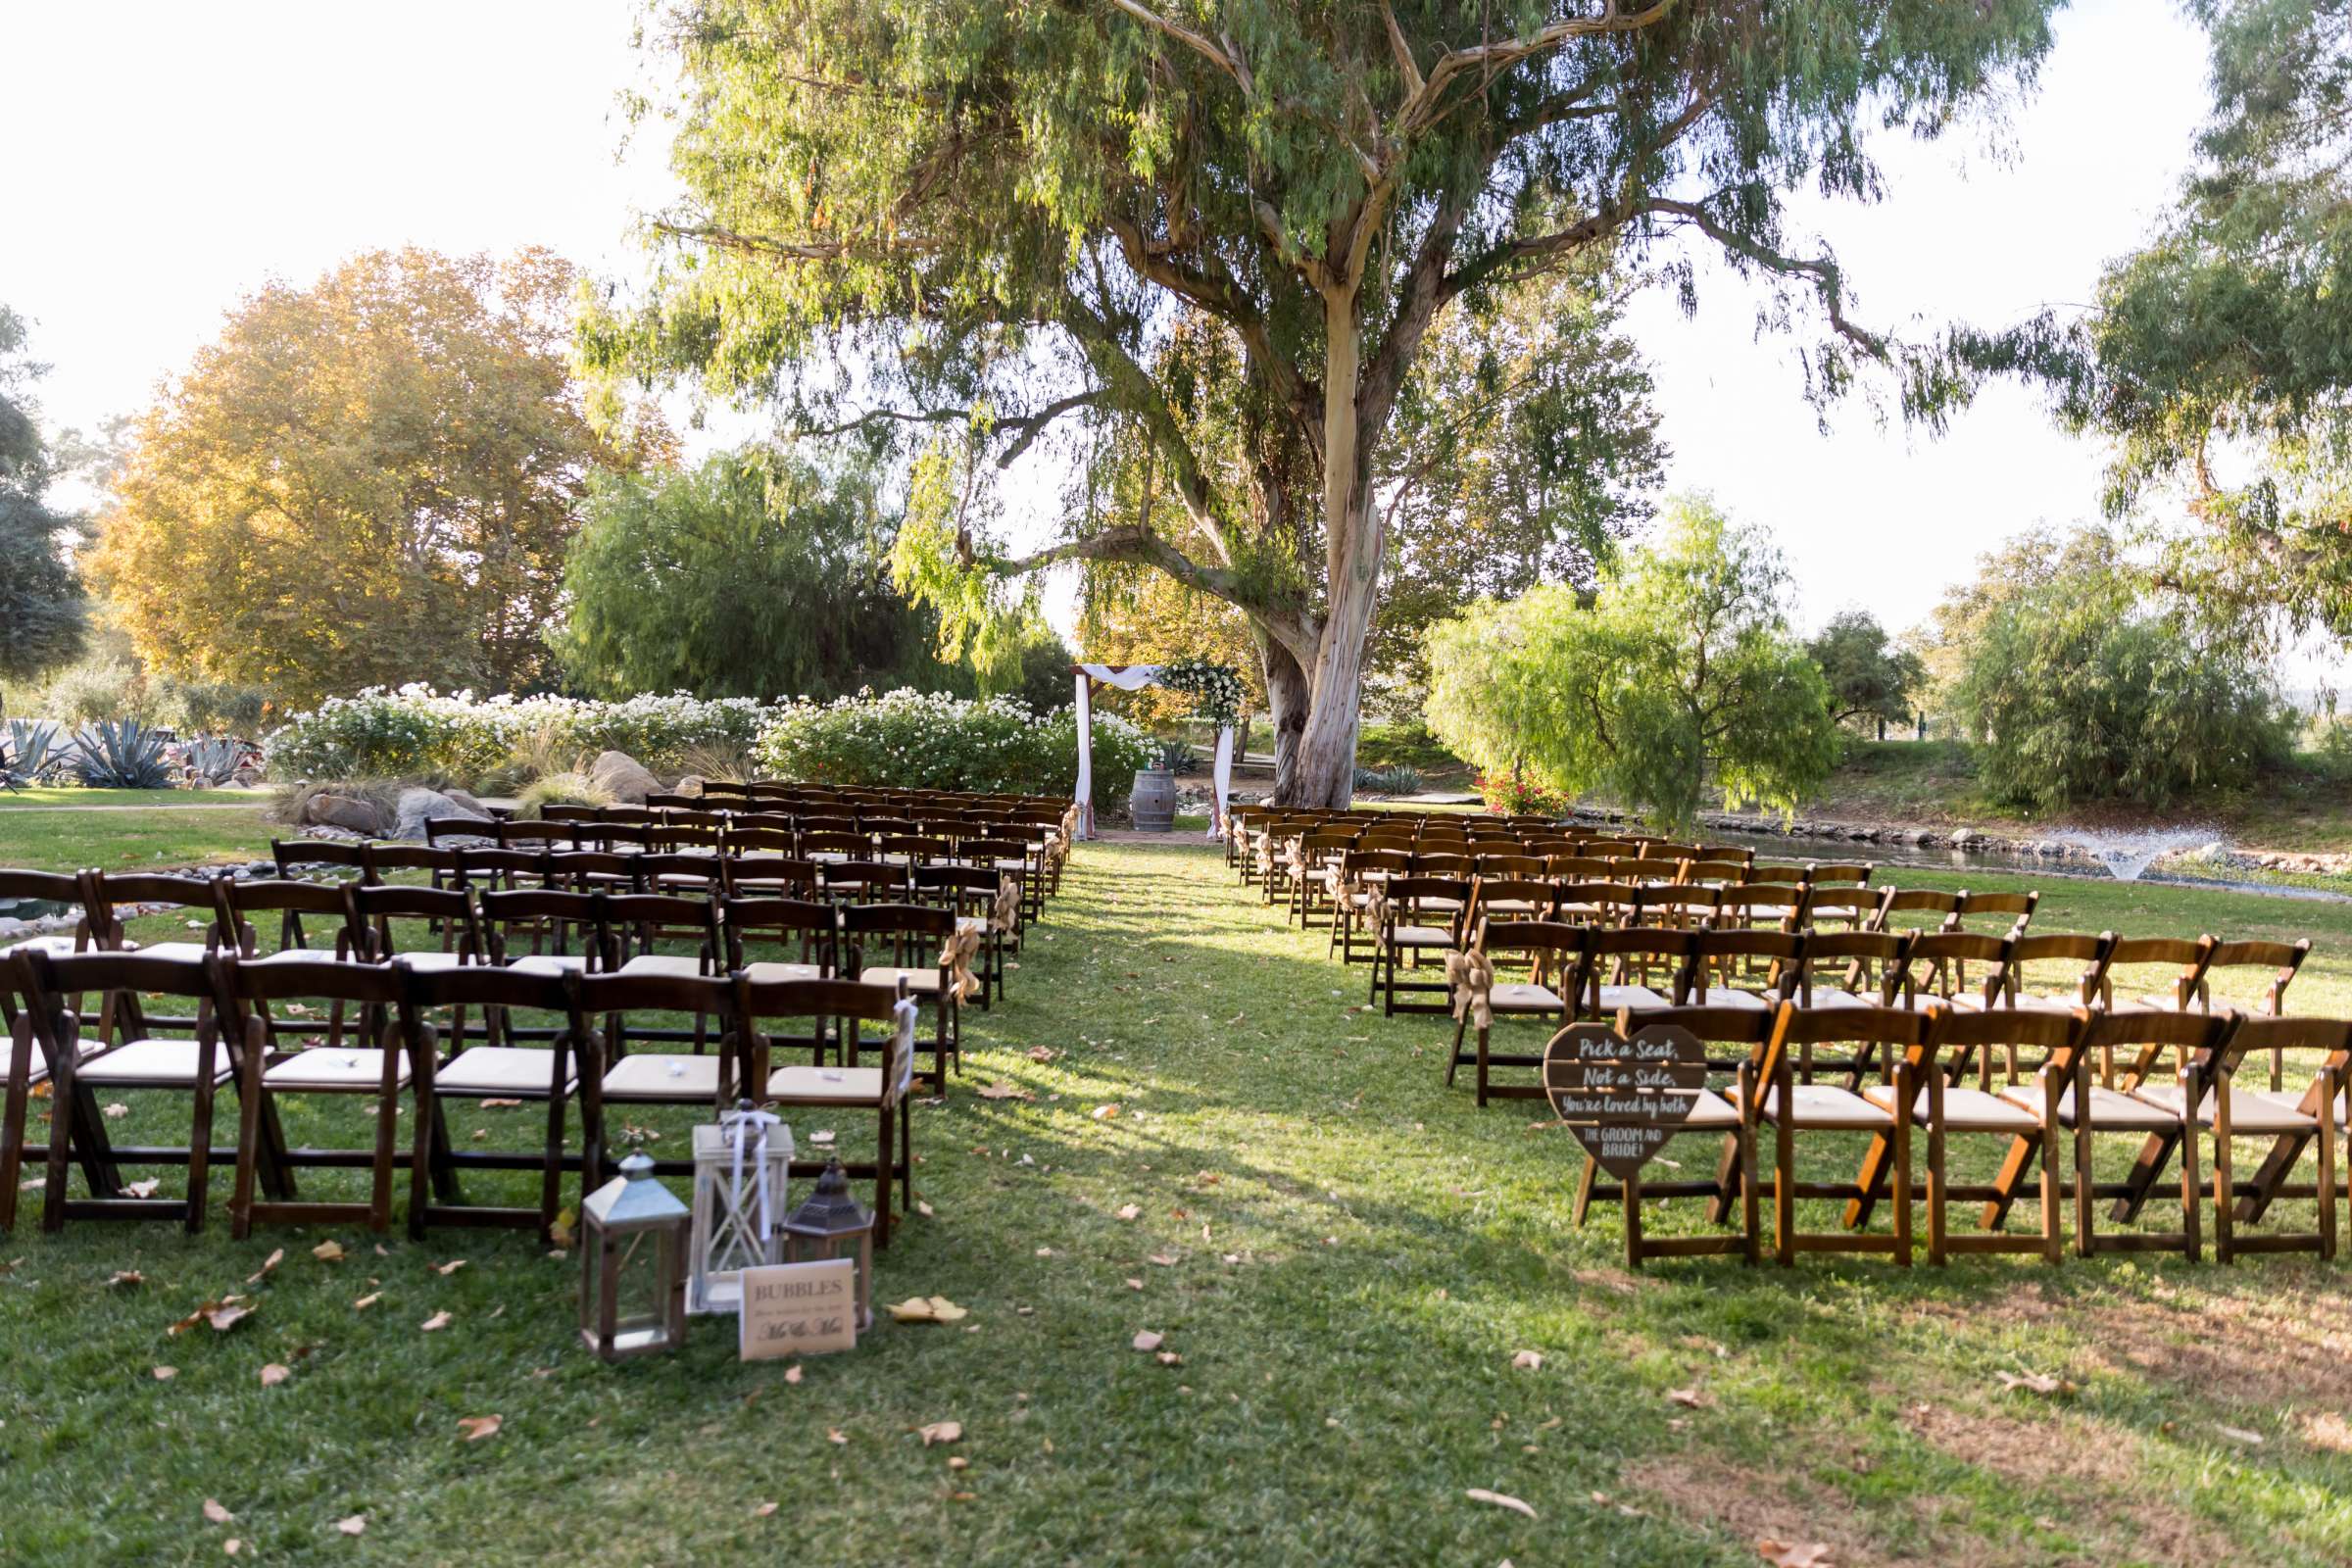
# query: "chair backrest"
{"type": "Point", "coordinates": [675, 913]}
{"type": "Point", "coordinates": [743, 875]}
{"type": "Point", "coordinates": [378, 904]}
{"type": "Point", "coordinates": [2016, 908]}
{"type": "Point", "coordinates": [1960, 1034]}
{"type": "Point", "coordinates": [543, 835]}
{"type": "Point", "coordinates": [1724, 952]}
{"type": "Point", "coordinates": [897, 919]}
{"type": "Point", "coordinates": [778, 920]}
{"type": "Point", "coordinates": [2283, 960]}
{"type": "Point", "coordinates": [1943, 954]}
{"type": "Point", "coordinates": [1775, 873]}
{"type": "Point", "coordinates": [503, 867]}
{"type": "Point", "coordinates": [1712, 871]}
{"type": "Point", "coordinates": [1901, 1029]}
{"type": "Point", "coordinates": [106, 893]}
{"type": "Point", "coordinates": [1844, 960]}
{"type": "Point", "coordinates": [235, 902]}
{"type": "Point", "coordinates": [754, 1002]}
{"type": "Point", "coordinates": [369, 985]}
{"type": "Point", "coordinates": [1774, 903]}
{"type": "Point", "coordinates": [442, 829]}
{"type": "Point", "coordinates": [1485, 891]}
{"type": "Point", "coordinates": [2190, 955]}
{"type": "Point", "coordinates": [864, 881]}
{"type": "Point", "coordinates": [1939, 907]}
{"type": "Point", "coordinates": [2085, 954]}
{"type": "Point", "coordinates": [299, 855]}
{"type": "Point", "coordinates": [1566, 943]}
{"type": "Point", "coordinates": [382, 857]}
{"type": "Point", "coordinates": [2147, 1032]}
{"type": "Point", "coordinates": [1842, 873]}
{"type": "Point", "coordinates": [2262, 1032]}
{"type": "Point", "coordinates": [51, 979]}
{"type": "Point", "coordinates": [1855, 904]}
{"type": "Point", "coordinates": [502, 913]}
{"type": "Point", "coordinates": [1743, 1029]}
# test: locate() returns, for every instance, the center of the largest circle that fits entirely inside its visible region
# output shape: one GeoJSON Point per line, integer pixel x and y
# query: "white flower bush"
{"type": "Point", "coordinates": [383, 733]}
{"type": "Point", "coordinates": [919, 740]}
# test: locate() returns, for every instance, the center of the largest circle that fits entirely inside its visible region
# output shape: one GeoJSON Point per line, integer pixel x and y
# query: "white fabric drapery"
{"type": "Point", "coordinates": [1134, 679]}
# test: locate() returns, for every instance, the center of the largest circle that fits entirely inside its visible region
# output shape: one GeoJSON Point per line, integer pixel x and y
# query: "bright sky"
{"type": "Point", "coordinates": [171, 157]}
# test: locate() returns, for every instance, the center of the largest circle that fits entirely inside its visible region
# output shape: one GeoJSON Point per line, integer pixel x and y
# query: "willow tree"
{"type": "Point", "coordinates": [984, 218]}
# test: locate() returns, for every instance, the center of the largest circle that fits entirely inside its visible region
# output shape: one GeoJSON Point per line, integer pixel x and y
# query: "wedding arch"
{"type": "Point", "coordinates": [1216, 692]}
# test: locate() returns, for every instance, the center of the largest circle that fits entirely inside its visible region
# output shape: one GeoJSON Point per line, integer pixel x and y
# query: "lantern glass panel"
{"type": "Point", "coordinates": [639, 1273]}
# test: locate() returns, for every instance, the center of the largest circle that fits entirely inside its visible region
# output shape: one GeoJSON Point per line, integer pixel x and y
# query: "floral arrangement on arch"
{"type": "Point", "coordinates": [1215, 689]}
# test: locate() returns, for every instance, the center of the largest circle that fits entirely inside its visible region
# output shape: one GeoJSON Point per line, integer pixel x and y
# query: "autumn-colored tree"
{"type": "Point", "coordinates": [367, 481]}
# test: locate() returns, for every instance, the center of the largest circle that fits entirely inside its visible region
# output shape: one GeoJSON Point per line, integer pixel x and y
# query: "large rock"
{"type": "Point", "coordinates": [420, 805]}
{"type": "Point", "coordinates": [348, 812]}
{"type": "Point", "coordinates": [623, 777]}
{"type": "Point", "coordinates": [691, 784]}
{"type": "Point", "coordinates": [468, 803]}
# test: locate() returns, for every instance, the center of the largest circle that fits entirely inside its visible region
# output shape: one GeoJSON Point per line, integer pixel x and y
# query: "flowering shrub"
{"type": "Point", "coordinates": [1507, 796]}
{"type": "Point", "coordinates": [917, 741]}
{"type": "Point", "coordinates": [417, 731]}
{"type": "Point", "coordinates": [1215, 689]}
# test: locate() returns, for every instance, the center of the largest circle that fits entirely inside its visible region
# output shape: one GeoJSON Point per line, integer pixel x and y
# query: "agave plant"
{"type": "Point", "coordinates": [29, 754]}
{"type": "Point", "coordinates": [210, 760]}
{"type": "Point", "coordinates": [121, 753]}
{"type": "Point", "coordinates": [1175, 755]}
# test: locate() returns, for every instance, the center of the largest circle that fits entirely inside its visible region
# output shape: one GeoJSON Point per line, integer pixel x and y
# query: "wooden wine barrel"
{"type": "Point", "coordinates": [1152, 801]}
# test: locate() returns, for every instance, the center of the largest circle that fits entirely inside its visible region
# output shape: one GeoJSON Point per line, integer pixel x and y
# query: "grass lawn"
{"type": "Point", "coordinates": [1346, 1255]}
{"type": "Point", "coordinates": [35, 798]}
{"type": "Point", "coordinates": [62, 840]}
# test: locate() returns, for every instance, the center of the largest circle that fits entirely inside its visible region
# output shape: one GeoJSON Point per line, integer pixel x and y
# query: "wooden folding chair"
{"type": "Point", "coordinates": [2281, 960]}
{"type": "Point", "coordinates": [2325, 1096]}
{"type": "Point", "coordinates": [380, 1067]}
{"type": "Point", "coordinates": [1556, 956]}
{"type": "Point", "coordinates": [1415, 920]}
{"type": "Point", "coordinates": [705, 1079]}
{"type": "Point", "coordinates": [46, 887]}
{"type": "Point", "coordinates": [2228, 1113]}
{"type": "Point", "coordinates": [1941, 1107]}
{"type": "Point", "coordinates": [552, 1075]}
{"type": "Point", "coordinates": [884, 1088]}
{"type": "Point", "coordinates": [128, 1056]}
{"type": "Point", "coordinates": [901, 936]}
{"type": "Point", "coordinates": [1771, 1093]}
{"type": "Point", "coordinates": [2091, 1106]}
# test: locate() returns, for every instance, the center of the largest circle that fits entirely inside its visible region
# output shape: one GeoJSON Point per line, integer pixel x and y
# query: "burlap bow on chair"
{"type": "Point", "coordinates": [1004, 910]}
{"type": "Point", "coordinates": [956, 959]}
{"type": "Point", "coordinates": [1376, 907]}
{"type": "Point", "coordinates": [1471, 976]}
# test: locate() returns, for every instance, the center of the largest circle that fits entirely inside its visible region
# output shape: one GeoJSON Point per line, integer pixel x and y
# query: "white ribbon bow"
{"type": "Point", "coordinates": [732, 1125]}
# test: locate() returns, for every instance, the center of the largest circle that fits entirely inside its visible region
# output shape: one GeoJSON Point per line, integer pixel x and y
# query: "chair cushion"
{"type": "Point", "coordinates": [2283, 1102]}
{"type": "Point", "coordinates": [650, 1075]}
{"type": "Point", "coordinates": [327, 1067]}
{"type": "Point", "coordinates": [184, 952]}
{"type": "Point", "coordinates": [2109, 1109]}
{"type": "Point", "coordinates": [1616, 998]}
{"type": "Point", "coordinates": [1711, 1109]}
{"type": "Point", "coordinates": [1510, 905]}
{"type": "Point", "coordinates": [57, 946]}
{"type": "Point", "coordinates": [1825, 998]}
{"type": "Point", "coordinates": [826, 1086]}
{"type": "Point", "coordinates": [679, 966]}
{"type": "Point", "coordinates": [554, 964]}
{"type": "Point", "coordinates": [1517, 996]}
{"type": "Point", "coordinates": [499, 1070]}
{"type": "Point", "coordinates": [925, 980]}
{"type": "Point", "coordinates": [1726, 996]}
{"type": "Point", "coordinates": [1824, 1106]}
{"type": "Point", "coordinates": [170, 1063]}
{"type": "Point", "coordinates": [1967, 1111]}
{"type": "Point", "coordinates": [2248, 1112]}
{"type": "Point", "coordinates": [770, 973]}
{"type": "Point", "coordinates": [40, 1057]}
{"type": "Point", "coordinates": [429, 961]}
{"type": "Point", "coordinates": [291, 955]}
{"type": "Point", "coordinates": [1420, 936]}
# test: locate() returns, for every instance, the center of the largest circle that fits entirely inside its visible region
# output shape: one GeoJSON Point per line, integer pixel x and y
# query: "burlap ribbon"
{"type": "Point", "coordinates": [1471, 975]}
{"type": "Point", "coordinates": [956, 959]}
{"type": "Point", "coordinates": [1294, 857]}
{"type": "Point", "coordinates": [1376, 908]}
{"type": "Point", "coordinates": [1004, 910]}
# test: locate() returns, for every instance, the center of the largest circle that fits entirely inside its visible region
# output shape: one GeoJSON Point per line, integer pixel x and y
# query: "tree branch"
{"type": "Point", "coordinates": [1033, 425]}
{"type": "Point", "coordinates": [1421, 105]}
{"type": "Point", "coordinates": [1140, 545]}
{"type": "Point", "coordinates": [1198, 43]}
{"type": "Point", "coordinates": [728, 239]}
{"type": "Point", "coordinates": [1824, 273]}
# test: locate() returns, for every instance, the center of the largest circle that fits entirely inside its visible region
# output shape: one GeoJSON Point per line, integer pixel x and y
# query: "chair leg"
{"type": "Point", "coordinates": [387, 1134]}
{"type": "Point", "coordinates": [251, 1097]}
{"type": "Point", "coordinates": [1905, 1096]}
{"type": "Point", "coordinates": [1783, 1189]}
{"type": "Point", "coordinates": [1935, 1188]}
{"type": "Point", "coordinates": [421, 1156]}
{"type": "Point", "coordinates": [885, 1167]}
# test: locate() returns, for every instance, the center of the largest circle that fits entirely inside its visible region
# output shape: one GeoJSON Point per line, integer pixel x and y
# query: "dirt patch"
{"type": "Point", "coordinates": [2289, 1346]}
{"type": "Point", "coordinates": [1749, 1506]}
{"type": "Point", "coordinates": [2083, 1462]}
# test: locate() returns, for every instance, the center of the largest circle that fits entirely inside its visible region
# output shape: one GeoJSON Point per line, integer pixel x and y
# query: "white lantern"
{"type": "Point", "coordinates": [741, 1166]}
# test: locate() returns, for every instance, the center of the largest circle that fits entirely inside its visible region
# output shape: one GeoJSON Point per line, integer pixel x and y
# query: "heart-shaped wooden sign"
{"type": "Point", "coordinates": [1621, 1097]}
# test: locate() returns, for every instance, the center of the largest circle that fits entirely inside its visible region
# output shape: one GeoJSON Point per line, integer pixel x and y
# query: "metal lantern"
{"type": "Point", "coordinates": [740, 1165]}
{"type": "Point", "coordinates": [833, 1224]}
{"type": "Point", "coordinates": [632, 1264]}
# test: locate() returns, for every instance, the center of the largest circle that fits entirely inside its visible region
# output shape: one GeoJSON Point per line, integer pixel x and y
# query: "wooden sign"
{"type": "Point", "coordinates": [798, 1309]}
{"type": "Point", "coordinates": [1621, 1097]}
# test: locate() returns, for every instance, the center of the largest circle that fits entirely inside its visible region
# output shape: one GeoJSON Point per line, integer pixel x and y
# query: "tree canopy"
{"type": "Point", "coordinates": [41, 605]}
{"type": "Point", "coordinates": [1681, 673]}
{"type": "Point", "coordinates": [367, 481]}
{"type": "Point", "coordinates": [2219, 356]}
{"type": "Point", "coordinates": [970, 220]}
{"type": "Point", "coordinates": [758, 574]}
{"type": "Point", "coordinates": [1868, 677]}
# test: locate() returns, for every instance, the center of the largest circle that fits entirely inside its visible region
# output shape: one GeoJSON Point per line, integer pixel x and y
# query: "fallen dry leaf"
{"type": "Point", "coordinates": [165, 1374]}
{"type": "Point", "coordinates": [835, 1435]}
{"type": "Point", "coordinates": [329, 1251]}
{"type": "Point", "coordinates": [368, 1300]}
{"type": "Point", "coordinates": [941, 1432]}
{"type": "Point", "coordinates": [146, 1189]}
{"type": "Point", "coordinates": [450, 1267]}
{"type": "Point", "coordinates": [127, 1276]}
{"type": "Point", "coordinates": [356, 1525]}
{"type": "Point", "coordinates": [2035, 1383]}
{"type": "Point", "coordinates": [215, 1514]}
{"type": "Point", "coordinates": [1105, 1113]}
{"type": "Point", "coordinates": [117, 1110]}
{"type": "Point", "coordinates": [439, 1320]}
{"type": "Point", "coordinates": [1163, 1259]}
{"type": "Point", "coordinates": [274, 1374]}
{"type": "Point", "coordinates": [500, 1105]}
{"type": "Point", "coordinates": [1689, 1399]}
{"type": "Point", "coordinates": [1000, 1089]}
{"type": "Point", "coordinates": [1170, 1359]}
{"type": "Point", "coordinates": [2252, 1439]}
{"type": "Point", "coordinates": [823, 1135]}
{"type": "Point", "coordinates": [1043, 1053]}
{"type": "Point", "coordinates": [478, 1427]}
{"type": "Point", "coordinates": [1500, 1499]}
{"type": "Point", "coordinates": [763, 1511]}
{"type": "Point", "coordinates": [927, 1309]}
{"type": "Point", "coordinates": [1134, 1284]}
{"type": "Point", "coordinates": [792, 1373]}
{"type": "Point", "coordinates": [1131, 1211]}
{"type": "Point", "coordinates": [1808, 1555]}
{"type": "Point", "coordinates": [1527, 1361]}
{"type": "Point", "coordinates": [232, 1546]}
{"type": "Point", "coordinates": [924, 1209]}
{"type": "Point", "coordinates": [1149, 1340]}
{"type": "Point", "coordinates": [959, 1462]}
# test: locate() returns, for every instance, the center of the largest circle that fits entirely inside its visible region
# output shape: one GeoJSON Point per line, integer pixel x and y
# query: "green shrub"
{"type": "Point", "coordinates": [383, 733]}
{"type": "Point", "coordinates": [917, 741]}
{"type": "Point", "coordinates": [560, 789]}
{"type": "Point", "coordinates": [2078, 689]}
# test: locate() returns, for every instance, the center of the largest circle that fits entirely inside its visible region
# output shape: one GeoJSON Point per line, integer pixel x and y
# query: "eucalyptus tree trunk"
{"type": "Point", "coordinates": [1287, 700]}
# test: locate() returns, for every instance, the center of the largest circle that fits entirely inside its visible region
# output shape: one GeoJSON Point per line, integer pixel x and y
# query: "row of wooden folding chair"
{"type": "Point", "coordinates": [2052, 1122]}
{"type": "Point", "coordinates": [400, 1054]}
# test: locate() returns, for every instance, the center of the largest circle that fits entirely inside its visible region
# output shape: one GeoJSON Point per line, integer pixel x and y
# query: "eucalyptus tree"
{"type": "Point", "coordinates": [969, 221]}
{"type": "Point", "coordinates": [43, 611]}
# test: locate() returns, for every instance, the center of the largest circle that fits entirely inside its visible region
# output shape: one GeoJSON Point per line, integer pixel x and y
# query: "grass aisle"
{"type": "Point", "coordinates": [1346, 1256]}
